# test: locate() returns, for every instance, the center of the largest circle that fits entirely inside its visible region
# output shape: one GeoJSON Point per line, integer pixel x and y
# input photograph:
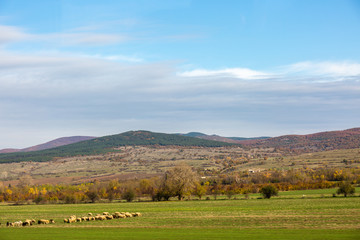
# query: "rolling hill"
{"type": "Point", "coordinates": [51, 144]}
{"type": "Point", "coordinates": [108, 144]}
{"type": "Point", "coordinates": [346, 139]}
{"type": "Point", "coordinates": [220, 138]}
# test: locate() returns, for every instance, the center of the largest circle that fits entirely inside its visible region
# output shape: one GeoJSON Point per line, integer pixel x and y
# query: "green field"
{"type": "Point", "coordinates": [287, 217]}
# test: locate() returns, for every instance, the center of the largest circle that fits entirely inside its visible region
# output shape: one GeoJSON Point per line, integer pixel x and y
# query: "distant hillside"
{"type": "Point", "coordinates": [219, 138]}
{"type": "Point", "coordinates": [194, 134]}
{"type": "Point", "coordinates": [345, 139]}
{"type": "Point", "coordinates": [107, 144]}
{"type": "Point", "coordinates": [52, 144]}
{"type": "Point", "coordinates": [245, 139]}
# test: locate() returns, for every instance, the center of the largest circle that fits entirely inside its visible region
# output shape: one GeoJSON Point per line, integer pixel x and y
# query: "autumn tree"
{"type": "Point", "coordinates": [199, 190]}
{"type": "Point", "coordinates": [179, 181]}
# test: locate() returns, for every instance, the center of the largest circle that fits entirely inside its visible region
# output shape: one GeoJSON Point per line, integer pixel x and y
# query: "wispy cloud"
{"type": "Point", "coordinates": [9, 34]}
{"type": "Point", "coordinates": [339, 69]}
{"type": "Point", "coordinates": [99, 93]}
{"type": "Point", "coordinates": [87, 38]}
{"type": "Point", "coordinates": [243, 73]}
{"type": "Point", "coordinates": [120, 58]}
{"type": "Point", "coordinates": [314, 71]}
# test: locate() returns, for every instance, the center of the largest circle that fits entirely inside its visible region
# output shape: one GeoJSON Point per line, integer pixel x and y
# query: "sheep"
{"type": "Point", "coordinates": [100, 217]}
{"type": "Point", "coordinates": [71, 219]}
{"type": "Point", "coordinates": [118, 215]}
{"type": "Point", "coordinates": [43, 221]}
{"type": "Point", "coordinates": [17, 224]}
{"type": "Point", "coordinates": [27, 222]}
{"type": "Point", "coordinates": [90, 214]}
{"type": "Point", "coordinates": [109, 217]}
{"type": "Point", "coordinates": [14, 224]}
{"type": "Point", "coordinates": [51, 221]}
{"type": "Point", "coordinates": [136, 214]}
{"type": "Point", "coordinates": [78, 219]}
{"type": "Point", "coordinates": [105, 213]}
{"type": "Point", "coordinates": [127, 214]}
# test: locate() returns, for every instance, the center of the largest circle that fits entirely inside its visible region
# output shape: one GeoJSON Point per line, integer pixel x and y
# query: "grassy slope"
{"type": "Point", "coordinates": [276, 218]}
{"type": "Point", "coordinates": [107, 144]}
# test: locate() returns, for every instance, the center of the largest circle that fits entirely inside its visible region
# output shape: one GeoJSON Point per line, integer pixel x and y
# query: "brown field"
{"type": "Point", "coordinates": [140, 161]}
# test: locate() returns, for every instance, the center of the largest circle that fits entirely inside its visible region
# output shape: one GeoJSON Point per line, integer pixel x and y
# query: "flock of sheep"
{"type": "Point", "coordinates": [28, 222]}
{"type": "Point", "coordinates": [73, 219]}
{"type": "Point", "coordinates": [103, 216]}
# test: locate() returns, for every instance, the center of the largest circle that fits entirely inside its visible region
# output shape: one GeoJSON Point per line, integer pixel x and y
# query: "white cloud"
{"type": "Point", "coordinates": [113, 93]}
{"type": "Point", "coordinates": [242, 73]}
{"type": "Point", "coordinates": [120, 58]}
{"type": "Point", "coordinates": [326, 68]}
{"type": "Point", "coordinates": [10, 34]}
{"type": "Point", "coordinates": [84, 38]}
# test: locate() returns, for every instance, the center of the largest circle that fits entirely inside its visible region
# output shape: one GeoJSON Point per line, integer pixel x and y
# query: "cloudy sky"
{"type": "Point", "coordinates": [232, 68]}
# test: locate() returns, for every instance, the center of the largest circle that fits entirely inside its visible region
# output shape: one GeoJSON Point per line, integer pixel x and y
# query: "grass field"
{"type": "Point", "coordinates": [287, 217]}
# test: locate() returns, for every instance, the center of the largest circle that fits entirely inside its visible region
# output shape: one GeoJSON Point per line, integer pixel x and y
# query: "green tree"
{"type": "Point", "coordinates": [129, 195]}
{"type": "Point", "coordinates": [93, 195]}
{"type": "Point", "coordinates": [345, 188]}
{"type": "Point", "coordinates": [268, 191]}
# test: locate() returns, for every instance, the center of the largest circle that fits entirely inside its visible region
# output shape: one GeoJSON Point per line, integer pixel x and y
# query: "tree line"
{"type": "Point", "coordinates": [182, 182]}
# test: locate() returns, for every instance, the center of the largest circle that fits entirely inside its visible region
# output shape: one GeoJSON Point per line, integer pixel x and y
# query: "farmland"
{"type": "Point", "coordinates": [310, 214]}
{"type": "Point", "coordinates": [140, 161]}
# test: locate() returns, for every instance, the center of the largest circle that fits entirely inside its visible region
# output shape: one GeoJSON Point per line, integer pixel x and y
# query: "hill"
{"type": "Point", "coordinates": [108, 144]}
{"type": "Point", "coordinates": [346, 139]}
{"type": "Point", "coordinates": [214, 137]}
{"type": "Point", "coordinates": [51, 144]}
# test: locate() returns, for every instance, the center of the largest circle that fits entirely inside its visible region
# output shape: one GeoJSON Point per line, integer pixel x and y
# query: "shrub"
{"type": "Point", "coordinates": [39, 199]}
{"type": "Point", "coordinates": [93, 195]}
{"type": "Point", "coordinates": [129, 195]}
{"type": "Point", "coordinates": [345, 188]}
{"type": "Point", "coordinates": [269, 191]}
{"type": "Point", "coordinates": [70, 199]}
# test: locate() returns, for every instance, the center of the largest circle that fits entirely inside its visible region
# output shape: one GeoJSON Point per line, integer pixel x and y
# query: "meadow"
{"type": "Point", "coordinates": [308, 214]}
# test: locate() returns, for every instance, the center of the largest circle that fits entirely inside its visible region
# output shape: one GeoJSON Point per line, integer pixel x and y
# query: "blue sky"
{"type": "Point", "coordinates": [232, 68]}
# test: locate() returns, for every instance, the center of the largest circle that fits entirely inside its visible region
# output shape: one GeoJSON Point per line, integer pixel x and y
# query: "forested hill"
{"type": "Point", "coordinates": [322, 141]}
{"type": "Point", "coordinates": [107, 144]}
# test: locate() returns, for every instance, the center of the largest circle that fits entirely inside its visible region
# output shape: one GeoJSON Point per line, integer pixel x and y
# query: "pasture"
{"type": "Point", "coordinates": [290, 216]}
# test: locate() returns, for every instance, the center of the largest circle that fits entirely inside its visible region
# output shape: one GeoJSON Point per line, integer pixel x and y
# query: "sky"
{"type": "Point", "coordinates": [232, 68]}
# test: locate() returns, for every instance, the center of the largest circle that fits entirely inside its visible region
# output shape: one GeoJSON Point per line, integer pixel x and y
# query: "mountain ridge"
{"type": "Point", "coordinates": [109, 143]}
{"type": "Point", "coordinates": [214, 137]}
{"type": "Point", "coordinates": [50, 144]}
{"type": "Point", "coordinates": [328, 140]}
